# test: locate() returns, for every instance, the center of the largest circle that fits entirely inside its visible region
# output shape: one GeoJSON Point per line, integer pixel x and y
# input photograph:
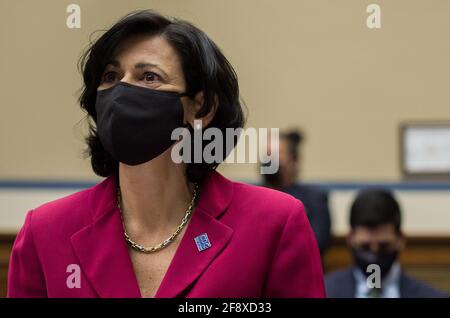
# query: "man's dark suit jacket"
{"type": "Point", "coordinates": [315, 201]}
{"type": "Point", "coordinates": [342, 284]}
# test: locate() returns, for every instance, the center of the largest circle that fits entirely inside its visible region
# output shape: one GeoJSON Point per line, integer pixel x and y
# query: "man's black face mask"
{"type": "Point", "coordinates": [135, 124]}
{"type": "Point", "coordinates": [384, 259]}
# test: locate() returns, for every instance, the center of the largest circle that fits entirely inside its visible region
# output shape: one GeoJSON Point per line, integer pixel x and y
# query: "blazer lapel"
{"type": "Point", "coordinates": [188, 262]}
{"type": "Point", "coordinates": [101, 248]}
{"type": "Point", "coordinates": [103, 253]}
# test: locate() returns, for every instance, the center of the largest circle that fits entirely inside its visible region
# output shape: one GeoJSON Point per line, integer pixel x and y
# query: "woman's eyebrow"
{"type": "Point", "coordinates": [144, 65]}
{"type": "Point", "coordinates": [113, 63]}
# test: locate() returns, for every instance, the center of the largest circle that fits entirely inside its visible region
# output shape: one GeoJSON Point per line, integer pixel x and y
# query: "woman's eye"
{"type": "Point", "coordinates": [150, 76]}
{"type": "Point", "coordinates": [109, 77]}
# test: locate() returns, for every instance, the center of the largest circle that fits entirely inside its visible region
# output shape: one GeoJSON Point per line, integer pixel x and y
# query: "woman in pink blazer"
{"type": "Point", "coordinates": [157, 226]}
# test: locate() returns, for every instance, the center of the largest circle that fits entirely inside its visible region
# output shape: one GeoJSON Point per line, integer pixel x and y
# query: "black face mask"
{"type": "Point", "coordinates": [135, 123]}
{"type": "Point", "coordinates": [383, 259]}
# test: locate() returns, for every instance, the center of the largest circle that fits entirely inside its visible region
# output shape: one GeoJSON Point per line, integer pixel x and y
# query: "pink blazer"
{"type": "Point", "coordinates": [261, 246]}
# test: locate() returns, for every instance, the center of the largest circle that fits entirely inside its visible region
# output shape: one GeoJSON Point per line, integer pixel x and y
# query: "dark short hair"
{"type": "Point", "coordinates": [204, 66]}
{"type": "Point", "coordinates": [375, 207]}
{"type": "Point", "coordinates": [294, 138]}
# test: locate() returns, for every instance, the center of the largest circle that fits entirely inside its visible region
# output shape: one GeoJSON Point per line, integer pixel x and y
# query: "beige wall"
{"type": "Point", "coordinates": [309, 63]}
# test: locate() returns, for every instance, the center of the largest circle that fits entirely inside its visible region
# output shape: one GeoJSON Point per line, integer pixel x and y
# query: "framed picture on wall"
{"type": "Point", "coordinates": [425, 149]}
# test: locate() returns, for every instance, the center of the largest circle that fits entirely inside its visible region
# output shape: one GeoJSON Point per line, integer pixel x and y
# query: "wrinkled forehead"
{"type": "Point", "coordinates": [151, 49]}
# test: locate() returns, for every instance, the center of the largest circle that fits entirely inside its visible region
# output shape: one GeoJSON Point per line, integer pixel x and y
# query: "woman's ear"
{"type": "Point", "coordinates": [194, 105]}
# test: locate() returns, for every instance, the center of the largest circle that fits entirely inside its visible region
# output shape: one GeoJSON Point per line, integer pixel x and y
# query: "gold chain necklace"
{"type": "Point", "coordinates": [169, 240]}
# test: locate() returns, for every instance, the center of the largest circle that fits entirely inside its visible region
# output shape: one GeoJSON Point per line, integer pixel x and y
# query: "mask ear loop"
{"type": "Point", "coordinates": [186, 125]}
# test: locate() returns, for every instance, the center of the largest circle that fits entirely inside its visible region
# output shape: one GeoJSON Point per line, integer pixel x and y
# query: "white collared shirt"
{"type": "Point", "coordinates": [390, 285]}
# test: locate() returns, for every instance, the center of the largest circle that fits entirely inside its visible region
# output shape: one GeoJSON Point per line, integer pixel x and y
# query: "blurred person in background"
{"type": "Point", "coordinates": [286, 180]}
{"type": "Point", "coordinates": [376, 238]}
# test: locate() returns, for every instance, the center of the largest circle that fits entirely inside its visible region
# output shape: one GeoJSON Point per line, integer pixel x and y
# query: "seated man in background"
{"type": "Point", "coordinates": [376, 238]}
{"type": "Point", "coordinates": [314, 199]}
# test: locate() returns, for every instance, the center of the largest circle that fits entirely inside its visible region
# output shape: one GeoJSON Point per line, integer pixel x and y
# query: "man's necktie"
{"type": "Point", "coordinates": [374, 293]}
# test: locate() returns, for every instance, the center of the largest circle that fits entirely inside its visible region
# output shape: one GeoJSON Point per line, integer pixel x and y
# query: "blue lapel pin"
{"type": "Point", "coordinates": [202, 242]}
